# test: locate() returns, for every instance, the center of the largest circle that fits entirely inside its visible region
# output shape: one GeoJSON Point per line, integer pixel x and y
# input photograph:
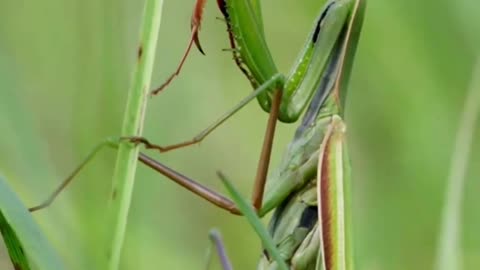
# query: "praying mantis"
{"type": "Point", "coordinates": [310, 187]}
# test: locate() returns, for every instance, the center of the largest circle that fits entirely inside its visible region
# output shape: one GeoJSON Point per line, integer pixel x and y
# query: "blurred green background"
{"type": "Point", "coordinates": [64, 73]}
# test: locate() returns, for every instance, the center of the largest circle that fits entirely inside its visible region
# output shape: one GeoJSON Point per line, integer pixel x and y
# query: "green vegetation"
{"type": "Point", "coordinates": [64, 74]}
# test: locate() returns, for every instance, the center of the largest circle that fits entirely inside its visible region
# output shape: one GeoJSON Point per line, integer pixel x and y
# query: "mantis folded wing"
{"type": "Point", "coordinates": [310, 228]}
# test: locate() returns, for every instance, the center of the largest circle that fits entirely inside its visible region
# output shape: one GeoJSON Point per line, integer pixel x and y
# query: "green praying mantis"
{"type": "Point", "coordinates": [309, 189]}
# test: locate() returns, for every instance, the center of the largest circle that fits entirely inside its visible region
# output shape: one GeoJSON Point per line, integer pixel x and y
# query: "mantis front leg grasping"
{"type": "Point", "coordinates": [344, 47]}
{"type": "Point", "coordinates": [338, 28]}
{"type": "Point", "coordinates": [324, 73]}
{"type": "Point", "coordinates": [296, 90]}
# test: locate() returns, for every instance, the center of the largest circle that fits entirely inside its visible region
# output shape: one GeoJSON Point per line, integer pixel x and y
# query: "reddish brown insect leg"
{"type": "Point", "coordinates": [194, 39]}
{"type": "Point", "coordinates": [264, 162]}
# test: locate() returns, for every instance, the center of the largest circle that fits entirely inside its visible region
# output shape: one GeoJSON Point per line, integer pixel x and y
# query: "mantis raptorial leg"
{"type": "Point", "coordinates": [318, 81]}
{"type": "Point", "coordinates": [254, 59]}
{"type": "Point", "coordinates": [319, 56]}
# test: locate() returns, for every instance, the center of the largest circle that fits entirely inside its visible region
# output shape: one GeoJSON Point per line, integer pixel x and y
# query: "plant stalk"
{"type": "Point", "coordinates": [126, 163]}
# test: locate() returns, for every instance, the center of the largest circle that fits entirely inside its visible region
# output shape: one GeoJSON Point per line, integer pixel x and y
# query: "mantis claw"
{"type": "Point", "coordinates": [196, 22]}
{"type": "Point", "coordinates": [196, 40]}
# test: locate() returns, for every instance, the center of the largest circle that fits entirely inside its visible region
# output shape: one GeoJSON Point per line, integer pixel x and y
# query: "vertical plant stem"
{"type": "Point", "coordinates": [126, 163]}
{"type": "Point", "coordinates": [449, 239]}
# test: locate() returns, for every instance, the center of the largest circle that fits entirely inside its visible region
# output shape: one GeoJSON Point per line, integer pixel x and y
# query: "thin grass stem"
{"type": "Point", "coordinates": [126, 163]}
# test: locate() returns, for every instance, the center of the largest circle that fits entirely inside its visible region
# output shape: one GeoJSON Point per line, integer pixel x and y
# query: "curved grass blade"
{"type": "Point", "coordinates": [14, 246]}
{"type": "Point", "coordinates": [449, 246]}
{"type": "Point", "coordinates": [254, 220]}
{"type": "Point", "coordinates": [217, 243]}
{"type": "Point", "coordinates": [26, 244]}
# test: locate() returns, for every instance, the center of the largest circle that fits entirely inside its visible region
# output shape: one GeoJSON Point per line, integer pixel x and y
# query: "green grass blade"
{"type": "Point", "coordinates": [254, 221]}
{"type": "Point", "coordinates": [22, 236]}
{"type": "Point", "coordinates": [133, 123]}
{"type": "Point", "coordinates": [448, 257]}
{"type": "Point", "coordinates": [14, 246]}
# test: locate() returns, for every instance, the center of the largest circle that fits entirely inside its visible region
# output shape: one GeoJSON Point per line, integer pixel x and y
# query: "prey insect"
{"type": "Point", "coordinates": [308, 189]}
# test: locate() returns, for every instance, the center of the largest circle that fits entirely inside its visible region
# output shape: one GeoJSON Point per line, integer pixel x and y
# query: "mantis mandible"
{"type": "Point", "coordinates": [318, 80]}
